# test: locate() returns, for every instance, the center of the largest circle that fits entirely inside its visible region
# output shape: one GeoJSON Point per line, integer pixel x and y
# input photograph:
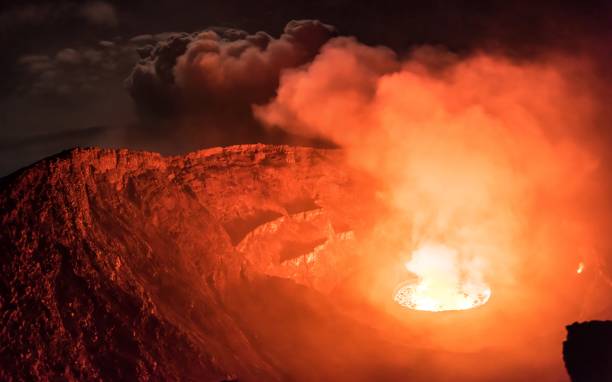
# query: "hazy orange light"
{"type": "Point", "coordinates": [487, 172]}
{"type": "Point", "coordinates": [445, 281]}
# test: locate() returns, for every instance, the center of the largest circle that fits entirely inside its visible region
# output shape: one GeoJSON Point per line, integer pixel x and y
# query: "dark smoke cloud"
{"type": "Point", "coordinates": [63, 61]}
{"type": "Point", "coordinates": [198, 88]}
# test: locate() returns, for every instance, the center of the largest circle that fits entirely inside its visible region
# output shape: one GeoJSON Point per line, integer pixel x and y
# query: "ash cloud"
{"type": "Point", "coordinates": [497, 157]}
{"type": "Point", "coordinates": [190, 90]}
{"type": "Point", "coordinates": [198, 88]}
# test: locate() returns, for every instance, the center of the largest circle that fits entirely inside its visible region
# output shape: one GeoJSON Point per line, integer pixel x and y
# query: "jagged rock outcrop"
{"type": "Point", "coordinates": [587, 351]}
{"type": "Point", "coordinates": [118, 265]}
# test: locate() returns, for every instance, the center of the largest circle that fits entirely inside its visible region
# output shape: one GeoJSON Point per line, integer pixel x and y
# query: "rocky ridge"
{"type": "Point", "coordinates": [118, 265]}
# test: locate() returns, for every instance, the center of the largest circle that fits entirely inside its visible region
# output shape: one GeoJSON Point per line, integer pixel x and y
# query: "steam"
{"type": "Point", "coordinates": [197, 88]}
{"type": "Point", "coordinates": [483, 154]}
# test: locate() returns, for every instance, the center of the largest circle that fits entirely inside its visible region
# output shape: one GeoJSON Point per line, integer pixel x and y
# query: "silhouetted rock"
{"type": "Point", "coordinates": [588, 351]}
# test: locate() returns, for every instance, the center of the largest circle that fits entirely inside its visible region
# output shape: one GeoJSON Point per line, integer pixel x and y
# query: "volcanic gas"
{"type": "Point", "coordinates": [442, 282]}
{"type": "Point", "coordinates": [490, 175]}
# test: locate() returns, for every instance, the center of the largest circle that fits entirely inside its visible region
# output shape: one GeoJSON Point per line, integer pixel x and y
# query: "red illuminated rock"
{"type": "Point", "coordinates": [121, 265]}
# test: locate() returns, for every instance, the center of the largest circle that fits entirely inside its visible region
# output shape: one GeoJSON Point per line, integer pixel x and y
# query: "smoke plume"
{"type": "Point", "coordinates": [488, 155]}
{"type": "Point", "coordinates": [199, 87]}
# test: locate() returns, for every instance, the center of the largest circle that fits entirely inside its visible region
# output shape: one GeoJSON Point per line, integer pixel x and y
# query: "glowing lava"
{"type": "Point", "coordinates": [444, 281]}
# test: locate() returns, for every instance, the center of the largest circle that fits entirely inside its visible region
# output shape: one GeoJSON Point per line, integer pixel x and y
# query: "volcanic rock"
{"type": "Point", "coordinates": [121, 265]}
{"type": "Point", "coordinates": [587, 352]}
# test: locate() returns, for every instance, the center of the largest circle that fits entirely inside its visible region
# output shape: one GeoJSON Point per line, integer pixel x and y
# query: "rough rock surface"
{"type": "Point", "coordinates": [587, 352]}
{"type": "Point", "coordinates": [122, 265]}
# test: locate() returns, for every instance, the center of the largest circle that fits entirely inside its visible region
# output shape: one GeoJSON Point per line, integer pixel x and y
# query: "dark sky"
{"type": "Point", "coordinates": [63, 63]}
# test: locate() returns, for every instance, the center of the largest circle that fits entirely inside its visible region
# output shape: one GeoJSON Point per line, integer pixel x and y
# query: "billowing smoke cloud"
{"type": "Point", "coordinates": [199, 86]}
{"type": "Point", "coordinates": [486, 155]}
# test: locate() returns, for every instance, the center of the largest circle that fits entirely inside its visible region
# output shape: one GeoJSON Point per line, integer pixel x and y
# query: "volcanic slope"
{"type": "Point", "coordinates": [121, 265]}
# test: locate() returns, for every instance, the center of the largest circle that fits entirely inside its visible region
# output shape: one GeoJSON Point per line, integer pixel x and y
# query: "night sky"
{"type": "Point", "coordinates": [64, 64]}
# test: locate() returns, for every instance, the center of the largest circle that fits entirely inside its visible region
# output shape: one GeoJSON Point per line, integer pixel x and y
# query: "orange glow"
{"type": "Point", "coordinates": [580, 268]}
{"type": "Point", "coordinates": [444, 283]}
{"type": "Point", "coordinates": [490, 177]}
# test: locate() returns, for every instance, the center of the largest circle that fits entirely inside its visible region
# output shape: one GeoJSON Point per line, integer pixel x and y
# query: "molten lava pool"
{"type": "Point", "coordinates": [444, 281]}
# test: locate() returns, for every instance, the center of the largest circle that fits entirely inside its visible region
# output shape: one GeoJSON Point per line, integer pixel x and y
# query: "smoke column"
{"type": "Point", "coordinates": [491, 156]}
